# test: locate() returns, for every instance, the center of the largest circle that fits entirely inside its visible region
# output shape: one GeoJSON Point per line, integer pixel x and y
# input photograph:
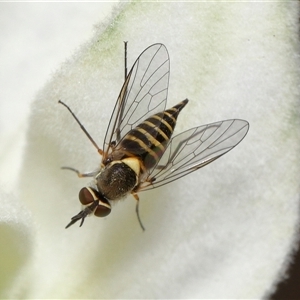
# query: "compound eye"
{"type": "Point", "coordinates": [86, 196]}
{"type": "Point", "coordinates": [103, 209]}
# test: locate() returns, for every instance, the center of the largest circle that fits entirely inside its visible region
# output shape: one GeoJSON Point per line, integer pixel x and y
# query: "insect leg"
{"type": "Point", "coordinates": [136, 197]}
{"type": "Point", "coordinates": [122, 95]}
{"type": "Point", "coordinates": [125, 60]}
{"type": "Point", "coordinates": [82, 127]}
{"type": "Point", "coordinates": [79, 174]}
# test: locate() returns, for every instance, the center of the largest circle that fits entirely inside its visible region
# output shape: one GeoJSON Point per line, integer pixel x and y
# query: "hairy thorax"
{"type": "Point", "coordinates": [116, 180]}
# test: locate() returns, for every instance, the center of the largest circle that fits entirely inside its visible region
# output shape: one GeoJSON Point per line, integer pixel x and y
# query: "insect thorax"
{"type": "Point", "coordinates": [116, 180]}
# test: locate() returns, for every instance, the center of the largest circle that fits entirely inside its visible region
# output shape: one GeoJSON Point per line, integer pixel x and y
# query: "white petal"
{"type": "Point", "coordinates": [16, 239]}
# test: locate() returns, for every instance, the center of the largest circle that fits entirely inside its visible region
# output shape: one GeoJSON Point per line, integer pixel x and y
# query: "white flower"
{"type": "Point", "coordinates": [222, 232]}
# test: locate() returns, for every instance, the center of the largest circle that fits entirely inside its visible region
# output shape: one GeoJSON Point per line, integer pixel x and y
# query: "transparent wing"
{"type": "Point", "coordinates": [194, 149]}
{"type": "Point", "coordinates": [143, 94]}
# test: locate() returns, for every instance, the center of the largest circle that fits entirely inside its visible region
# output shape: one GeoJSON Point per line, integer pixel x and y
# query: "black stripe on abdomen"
{"type": "Point", "coordinates": [149, 139]}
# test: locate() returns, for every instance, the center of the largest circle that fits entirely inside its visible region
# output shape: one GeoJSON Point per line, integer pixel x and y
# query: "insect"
{"type": "Point", "coordinates": [139, 152]}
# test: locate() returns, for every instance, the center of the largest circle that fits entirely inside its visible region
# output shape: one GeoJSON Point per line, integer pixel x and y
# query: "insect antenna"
{"type": "Point", "coordinates": [76, 218]}
{"type": "Point", "coordinates": [82, 128]}
{"type": "Point", "coordinates": [83, 214]}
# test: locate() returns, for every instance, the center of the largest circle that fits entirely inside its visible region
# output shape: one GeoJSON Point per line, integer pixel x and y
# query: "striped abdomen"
{"type": "Point", "coordinates": [149, 140]}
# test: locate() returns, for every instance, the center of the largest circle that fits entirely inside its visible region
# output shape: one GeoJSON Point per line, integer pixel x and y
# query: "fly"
{"type": "Point", "coordinates": [139, 152]}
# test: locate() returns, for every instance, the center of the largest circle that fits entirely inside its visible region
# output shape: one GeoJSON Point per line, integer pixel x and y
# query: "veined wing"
{"type": "Point", "coordinates": [194, 149]}
{"type": "Point", "coordinates": [143, 94]}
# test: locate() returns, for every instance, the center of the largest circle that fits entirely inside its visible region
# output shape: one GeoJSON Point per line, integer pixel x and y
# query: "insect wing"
{"type": "Point", "coordinates": [194, 149]}
{"type": "Point", "coordinates": [143, 94]}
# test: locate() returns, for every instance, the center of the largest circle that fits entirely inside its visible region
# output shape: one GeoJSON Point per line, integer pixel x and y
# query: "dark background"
{"type": "Point", "coordinates": [290, 288]}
